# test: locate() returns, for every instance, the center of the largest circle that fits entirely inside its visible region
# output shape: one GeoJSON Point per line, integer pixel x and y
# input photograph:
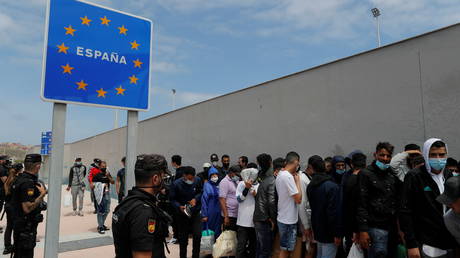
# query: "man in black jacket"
{"type": "Point", "coordinates": [326, 214]}
{"type": "Point", "coordinates": [265, 211]}
{"type": "Point", "coordinates": [421, 217]}
{"type": "Point", "coordinates": [379, 204]}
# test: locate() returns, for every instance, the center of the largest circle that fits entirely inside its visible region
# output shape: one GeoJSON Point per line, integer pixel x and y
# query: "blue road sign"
{"type": "Point", "coordinates": [96, 56]}
{"type": "Point", "coordinates": [46, 143]}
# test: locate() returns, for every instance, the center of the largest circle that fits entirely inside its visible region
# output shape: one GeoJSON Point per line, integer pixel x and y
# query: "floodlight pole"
{"type": "Point", "coordinates": [131, 148]}
{"type": "Point", "coordinates": [173, 99]}
{"type": "Point", "coordinates": [115, 122]}
{"type": "Point", "coordinates": [53, 214]}
{"type": "Point", "coordinates": [378, 30]}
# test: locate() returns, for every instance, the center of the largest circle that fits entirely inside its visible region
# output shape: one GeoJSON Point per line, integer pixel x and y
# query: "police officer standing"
{"type": "Point", "coordinates": [139, 225]}
{"type": "Point", "coordinates": [27, 202]}
{"type": "Point", "coordinates": [5, 164]}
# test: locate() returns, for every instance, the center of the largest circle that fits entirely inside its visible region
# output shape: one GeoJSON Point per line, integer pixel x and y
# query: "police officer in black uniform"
{"type": "Point", "coordinates": [5, 165]}
{"type": "Point", "coordinates": [139, 226]}
{"type": "Point", "coordinates": [27, 201]}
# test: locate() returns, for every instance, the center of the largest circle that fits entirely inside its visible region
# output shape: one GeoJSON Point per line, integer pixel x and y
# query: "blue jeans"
{"type": "Point", "coordinates": [288, 236]}
{"type": "Point", "coordinates": [326, 250]}
{"type": "Point", "coordinates": [379, 243]}
{"type": "Point", "coordinates": [265, 237]}
{"type": "Point", "coordinates": [103, 209]}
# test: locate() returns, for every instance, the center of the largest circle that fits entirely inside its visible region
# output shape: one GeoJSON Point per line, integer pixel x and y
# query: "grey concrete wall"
{"type": "Point", "coordinates": [401, 93]}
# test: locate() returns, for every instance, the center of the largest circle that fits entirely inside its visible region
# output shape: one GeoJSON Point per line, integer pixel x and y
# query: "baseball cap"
{"type": "Point", "coordinates": [214, 157]}
{"type": "Point", "coordinates": [206, 165]}
{"type": "Point", "coordinates": [451, 191]}
{"type": "Point", "coordinates": [33, 158]}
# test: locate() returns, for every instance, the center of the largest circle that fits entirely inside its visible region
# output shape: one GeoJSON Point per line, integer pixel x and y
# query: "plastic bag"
{"type": "Point", "coordinates": [355, 252]}
{"type": "Point", "coordinates": [67, 200]}
{"type": "Point", "coordinates": [207, 240]}
{"type": "Point", "coordinates": [225, 245]}
{"type": "Point", "coordinates": [402, 252]}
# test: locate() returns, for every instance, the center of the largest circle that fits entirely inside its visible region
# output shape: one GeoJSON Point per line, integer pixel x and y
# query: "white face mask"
{"type": "Point", "coordinates": [214, 179]}
{"type": "Point", "coordinates": [214, 163]}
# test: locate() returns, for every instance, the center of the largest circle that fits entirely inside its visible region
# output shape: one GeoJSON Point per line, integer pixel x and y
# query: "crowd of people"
{"type": "Point", "coordinates": [404, 204]}
{"type": "Point", "coordinates": [386, 205]}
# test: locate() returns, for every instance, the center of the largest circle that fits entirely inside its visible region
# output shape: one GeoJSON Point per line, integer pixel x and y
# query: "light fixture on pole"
{"type": "Point", "coordinates": [376, 14]}
{"type": "Point", "coordinates": [173, 99]}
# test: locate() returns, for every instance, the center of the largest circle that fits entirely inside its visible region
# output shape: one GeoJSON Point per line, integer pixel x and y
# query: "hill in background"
{"type": "Point", "coordinates": [15, 151]}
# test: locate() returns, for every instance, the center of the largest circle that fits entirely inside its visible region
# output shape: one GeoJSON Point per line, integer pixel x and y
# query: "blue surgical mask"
{"type": "Point", "coordinates": [340, 171]}
{"type": "Point", "coordinates": [214, 179]}
{"type": "Point", "coordinates": [455, 173]}
{"type": "Point", "coordinates": [381, 165]}
{"type": "Point", "coordinates": [189, 182]}
{"type": "Point", "coordinates": [437, 164]}
{"type": "Point", "coordinates": [235, 179]}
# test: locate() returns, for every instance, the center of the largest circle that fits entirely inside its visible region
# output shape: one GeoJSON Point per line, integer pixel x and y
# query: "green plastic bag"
{"type": "Point", "coordinates": [401, 252]}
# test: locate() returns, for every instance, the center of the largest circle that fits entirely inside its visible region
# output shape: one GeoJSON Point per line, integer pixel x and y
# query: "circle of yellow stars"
{"type": "Point", "coordinates": [122, 30]}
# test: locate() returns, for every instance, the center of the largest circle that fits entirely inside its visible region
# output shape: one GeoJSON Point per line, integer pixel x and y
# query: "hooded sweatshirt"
{"type": "Point", "coordinates": [336, 176]}
{"type": "Point", "coordinates": [326, 212]}
{"type": "Point", "coordinates": [421, 216]}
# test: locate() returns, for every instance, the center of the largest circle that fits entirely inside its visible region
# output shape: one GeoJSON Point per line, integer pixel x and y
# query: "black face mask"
{"type": "Point", "coordinates": [103, 169]}
{"type": "Point", "coordinates": [225, 165]}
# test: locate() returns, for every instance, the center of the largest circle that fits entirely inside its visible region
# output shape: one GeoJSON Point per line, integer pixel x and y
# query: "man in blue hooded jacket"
{"type": "Point", "coordinates": [210, 205]}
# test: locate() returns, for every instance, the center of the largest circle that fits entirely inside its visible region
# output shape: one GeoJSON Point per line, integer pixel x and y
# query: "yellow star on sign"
{"type": "Point", "coordinates": [81, 85]}
{"type": "Point", "coordinates": [85, 20]}
{"type": "Point", "coordinates": [133, 79]}
{"type": "Point", "coordinates": [69, 30]}
{"type": "Point", "coordinates": [134, 45]}
{"type": "Point", "coordinates": [105, 21]}
{"type": "Point", "coordinates": [67, 68]}
{"type": "Point", "coordinates": [62, 48]}
{"type": "Point", "coordinates": [101, 93]}
{"type": "Point", "coordinates": [137, 63]}
{"type": "Point", "coordinates": [120, 90]}
{"type": "Point", "coordinates": [122, 29]}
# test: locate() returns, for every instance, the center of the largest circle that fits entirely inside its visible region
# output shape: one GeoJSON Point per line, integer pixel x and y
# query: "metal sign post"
{"type": "Point", "coordinates": [53, 215]}
{"type": "Point", "coordinates": [94, 56]}
{"type": "Point", "coordinates": [131, 148]}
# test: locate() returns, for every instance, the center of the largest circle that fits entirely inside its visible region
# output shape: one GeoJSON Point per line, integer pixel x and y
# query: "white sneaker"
{"type": "Point", "coordinates": [80, 213]}
{"type": "Point", "coordinates": [75, 213]}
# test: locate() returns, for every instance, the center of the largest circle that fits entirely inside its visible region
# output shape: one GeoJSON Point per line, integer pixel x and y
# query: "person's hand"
{"type": "Point", "coordinates": [41, 189]}
{"type": "Point", "coordinates": [254, 193]}
{"type": "Point", "coordinates": [163, 191]}
{"type": "Point", "coordinates": [273, 224]}
{"type": "Point", "coordinates": [413, 253]}
{"type": "Point", "coordinates": [248, 184]}
{"type": "Point", "coordinates": [226, 221]}
{"type": "Point", "coordinates": [337, 241]}
{"type": "Point", "coordinates": [204, 219]}
{"type": "Point", "coordinates": [296, 177]}
{"type": "Point", "coordinates": [364, 240]}
{"type": "Point", "coordinates": [308, 234]}
{"type": "Point", "coordinates": [192, 202]}
{"type": "Point", "coordinates": [355, 238]}
{"type": "Point", "coordinates": [68, 188]}
{"type": "Point", "coordinates": [182, 208]}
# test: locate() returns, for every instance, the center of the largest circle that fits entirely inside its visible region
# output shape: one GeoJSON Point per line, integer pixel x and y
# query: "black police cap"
{"type": "Point", "coordinates": [33, 158]}
{"type": "Point", "coordinates": [151, 162]}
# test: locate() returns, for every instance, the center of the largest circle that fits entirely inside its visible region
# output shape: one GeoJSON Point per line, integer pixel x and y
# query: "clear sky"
{"type": "Point", "coordinates": [204, 48]}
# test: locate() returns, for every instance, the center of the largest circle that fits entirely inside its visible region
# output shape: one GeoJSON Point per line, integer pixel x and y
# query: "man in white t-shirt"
{"type": "Point", "coordinates": [245, 192]}
{"type": "Point", "coordinates": [289, 196]}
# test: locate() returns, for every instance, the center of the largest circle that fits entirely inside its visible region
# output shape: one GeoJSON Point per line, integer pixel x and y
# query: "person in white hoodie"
{"type": "Point", "coordinates": [421, 216]}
